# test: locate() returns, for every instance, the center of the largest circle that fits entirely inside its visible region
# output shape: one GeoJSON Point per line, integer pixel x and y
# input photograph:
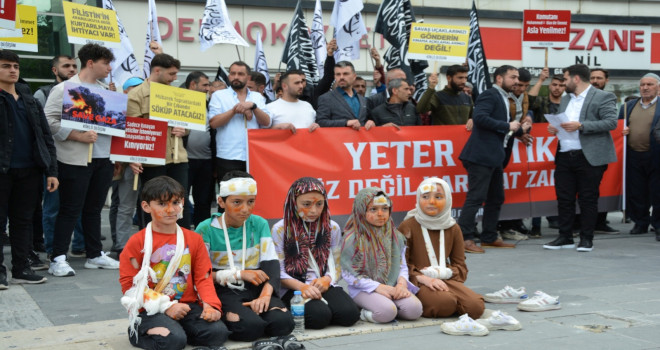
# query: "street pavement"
{"type": "Point", "coordinates": [610, 300]}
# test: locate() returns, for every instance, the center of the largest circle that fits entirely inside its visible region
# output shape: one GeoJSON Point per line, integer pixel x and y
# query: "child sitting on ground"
{"type": "Point", "coordinates": [246, 268]}
{"type": "Point", "coordinates": [165, 275]}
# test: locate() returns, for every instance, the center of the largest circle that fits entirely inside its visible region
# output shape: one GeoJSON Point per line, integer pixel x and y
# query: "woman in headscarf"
{"type": "Point", "coordinates": [308, 246]}
{"type": "Point", "coordinates": [438, 270]}
{"type": "Point", "coordinates": [373, 261]}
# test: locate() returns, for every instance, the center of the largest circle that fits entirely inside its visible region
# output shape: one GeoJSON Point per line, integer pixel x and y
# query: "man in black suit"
{"type": "Point", "coordinates": [483, 156]}
{"type": "Point", "coordinates": [343, 106]}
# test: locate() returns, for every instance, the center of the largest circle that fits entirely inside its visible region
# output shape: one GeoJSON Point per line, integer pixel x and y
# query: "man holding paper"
{"type": "Point", "coordinates": [581, 161]}
{"type": "Point", "coordinates": [83, 186]}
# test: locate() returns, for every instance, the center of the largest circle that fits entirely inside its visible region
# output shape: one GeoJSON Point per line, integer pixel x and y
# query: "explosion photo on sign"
{"type": "Point", "coordinates": [97, 109]}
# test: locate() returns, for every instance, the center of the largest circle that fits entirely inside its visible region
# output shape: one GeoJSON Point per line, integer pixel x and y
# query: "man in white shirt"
{"type": "Point", "coordinates": [581, 163]}
{"type": "Point", "coordinates": [231, 112]}
{"type": "Point", "coordinates": [289, 112]}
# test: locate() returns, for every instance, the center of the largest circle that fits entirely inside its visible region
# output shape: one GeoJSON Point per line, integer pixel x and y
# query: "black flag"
{"type": "Point", "coordinates": [222, 75]}
{"type": "Point", "coordinates": [393, 21]}
{"type": "Point", "coordinates": [476, 57]}
{"type": "Point", "coordinates": [298, 50]}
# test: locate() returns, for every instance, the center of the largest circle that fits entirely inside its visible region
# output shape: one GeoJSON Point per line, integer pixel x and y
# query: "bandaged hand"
{"type": "Point", "coordinates": [178, 311]}
{"type": "Point", "coordinates": [224, 277]}
{"type": "Point", "coordinates": [310, 292]}
{"type": "Point", "coordinates": [437, 272]}
{"type": "Point", "coordinates": [256, 277]}
{"type": "Point", "coordinates": [210, 314]}
{"type": "Point", "coordinates": [323, 283]}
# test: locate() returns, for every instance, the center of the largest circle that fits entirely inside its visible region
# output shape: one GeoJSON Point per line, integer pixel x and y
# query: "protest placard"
{"type": "Point", "coordinates": [438, 42]}
{"type": "Point", "coordinates": [88, 24]}
{"type": "Point", "coordinates": [178, 107]}
{"type": "Point", "coordinates": [27, 41]}
{"type": "Point", "coordinates": [543, 28]}
{"type": "Point", "coordinates": [86, 108]}
{"type": "Point", "coordinates": [8, 14]}
{"type": "Point", "coordinates": [145, 142]}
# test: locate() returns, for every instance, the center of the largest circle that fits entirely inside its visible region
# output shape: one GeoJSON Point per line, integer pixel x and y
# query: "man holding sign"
{"type": "Point", "coordinates": [163, 71]}
{"type": "Point", "coordinates": [83, 186]}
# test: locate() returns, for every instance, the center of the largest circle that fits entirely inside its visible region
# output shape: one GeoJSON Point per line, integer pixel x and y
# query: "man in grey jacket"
{"type": "Point", "coordinates": [581, 163]}
{"type": "Point", "coordinates": [343, 106]}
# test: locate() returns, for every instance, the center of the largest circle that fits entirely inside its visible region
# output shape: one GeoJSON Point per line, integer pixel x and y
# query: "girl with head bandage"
{"type": "Point", "coordinates": [246, 269]}
{"type": "Point", "coordinates": [436, 256]}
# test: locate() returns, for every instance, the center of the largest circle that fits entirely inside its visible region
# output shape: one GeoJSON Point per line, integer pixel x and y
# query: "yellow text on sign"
{"type": "Point", "coordinates": [438, 42]}
{"type": "Point", "coordinates": [27, 17]}
{"type": "Point", "coordinates": [89, 24]}
{"type": "Point", "coordinates": [178, 107]}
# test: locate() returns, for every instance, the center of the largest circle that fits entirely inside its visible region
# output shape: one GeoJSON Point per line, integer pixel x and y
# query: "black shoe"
{"type": "Point", "coordinates": [3, 280]}
{"type": "Point", "coordinates": [559, 243]}
{"type": "Point", "coordinates": [606, 229]}
{"type": "Point", "coordinates": [639, 229]}
{"type": "Point", "coordinates": [78, 254]}
{"type": "Point", "coordinates": [4, 238]}
{"type": "Point", "coordinates": [36, 263]}
{"type": "Point", "coordinates": [40, 248]}
{"type": "Point", "coordinates": [27, 276]}
{"type": "Point", "coordinates": [103, 237]}
{"type": "Point", "coordinates": [553, 224]}
{"type": "Point", "coordinates": [586, 245]}
{"type": "Point", "coordinates": [520, 227]}
{"type": "Point", "coordinates": [535, 233]}
{"type": "Point", "coordinates": [657, 236]}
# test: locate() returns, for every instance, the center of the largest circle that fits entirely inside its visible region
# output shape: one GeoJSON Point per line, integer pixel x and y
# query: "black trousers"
{"type": "Point", "coordinates": [643, 189]}
{"type": "Point", "coordinates": [575, 177]}
{"type": "Point", "coordinates": [485, 186]}
{"type": "Point", "coordinates": [19, 198]}
{"type": "Point", "coordinates": [191, 329]}
{"type": "Point", "coordinates": [340, 310]}
{"type": "Point", "coordinates": [178, 172]}
{"type": "Point", "coordinates": [200, 176]}
{"type": "Point", "coordinates": [250, 326]}
{"type": "Point", "coordinates": [83, 190]}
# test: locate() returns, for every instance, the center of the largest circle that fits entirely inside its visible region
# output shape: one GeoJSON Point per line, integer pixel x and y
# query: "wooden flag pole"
{"type": "Point", "coordinates": [546, 57]}
{"type": "Point", "coordinates": [176, 148]}
{"type": "Point", "coordinates": [89, 154]}
{"type": "Point", "coordinates": [623, 178]}
{"type": "Point", "coordinates": [136, 178]}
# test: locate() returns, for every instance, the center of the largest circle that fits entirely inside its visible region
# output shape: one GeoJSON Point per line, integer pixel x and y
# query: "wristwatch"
{"type": "Point", "coordinates": [254, 106]}
{"type": "Point", "coordinates": [581, 127]}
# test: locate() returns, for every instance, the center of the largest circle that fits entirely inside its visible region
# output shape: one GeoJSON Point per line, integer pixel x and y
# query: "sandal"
{"type": "Point", "coordinates": [266, 345]}
{"type": "Point", "coordinates": [289, 342]}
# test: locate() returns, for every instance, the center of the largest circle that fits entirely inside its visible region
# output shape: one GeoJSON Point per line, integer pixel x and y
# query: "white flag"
{"type": "Point", "coordinates": [349, 27]}
{"type": "Point", "coordinates": [318, 38]}
{"type": "Point", "coordinates": [261, 66]}
{"type": "Point", "coordinates": [153, 34]}
{"type": "Point", "coordinates": [216, 27]}
{"type": "Point", "coordinates": [125, 65]}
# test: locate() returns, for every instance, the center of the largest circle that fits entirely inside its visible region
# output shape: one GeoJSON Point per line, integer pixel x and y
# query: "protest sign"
{"type": "Point", "coordinates": [28, 29]}
{"type": "Point", "coordinates": [85, 108]}
{"type": "Point", "coordinates": [397, 161]}
{"type": "Point", "coordinates": [178, 107]}
{"type": "Point", "coordinates": [438, 42]}
{"type": "Point", "coordinates": [88, 24]}
{"type": "Point", "coordinates": [544, 28]}
{"type": "Point", "coordinates": [8, 14]}
{"type": "Point", "coordinates": [145, 142]}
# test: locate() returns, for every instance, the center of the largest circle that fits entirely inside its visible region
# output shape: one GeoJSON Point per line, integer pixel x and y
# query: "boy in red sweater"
{"type": "Point", "coordinates": [165, 275]}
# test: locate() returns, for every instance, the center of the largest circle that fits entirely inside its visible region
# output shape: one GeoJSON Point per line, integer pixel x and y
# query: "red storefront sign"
{"type": "Point", "coordinates": [546, 28]}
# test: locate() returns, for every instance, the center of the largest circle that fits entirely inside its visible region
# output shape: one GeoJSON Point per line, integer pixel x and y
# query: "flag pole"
{"type": "Point", "coordinates": [238, 53]}
{"type": "Point", "coordinates": [623, 178]}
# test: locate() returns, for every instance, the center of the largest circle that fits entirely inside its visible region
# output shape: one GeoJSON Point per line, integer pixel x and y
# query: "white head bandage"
{"type": "Point", "coordinates": [238, 186]}
{"type": "Point", "coordinates": [381, 200]}
{"type": "Point", "coordinates": [426, 187]}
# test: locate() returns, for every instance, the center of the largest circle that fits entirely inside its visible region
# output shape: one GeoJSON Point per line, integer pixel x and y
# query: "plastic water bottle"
{"type": "Point", "coordinates": [298, 312]}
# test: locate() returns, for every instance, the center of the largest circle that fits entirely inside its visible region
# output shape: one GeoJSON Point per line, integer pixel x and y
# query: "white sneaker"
{"type": "Point", "coordinates": [102, 262]}
{"type": "Point", "coordinates": [499, 320]}
{"type": "Point", "coordinates": [367, 316]}
{"type": "Point", "coordinates": [464, 326]}
{"type": "Point", "coordinates": [506, 295]}
{"type": "Point", "coordinates": [540, 302]}
{"type": "Point", "coordinates": [60, 267]}
{"type": "Point", "coordinates": [514, 235]}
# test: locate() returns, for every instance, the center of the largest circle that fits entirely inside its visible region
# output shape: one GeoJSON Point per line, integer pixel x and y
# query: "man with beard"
{"type": "Point", "coordinates": [483, 157]}
{"type": "Point", "coordinates": [399, 110]}
{"type": "Point", "coordinates": [343, 106]}
{"type": "Point", "coordinates": [450, 106]}
{"type": "Point", "coordinates": [382, 97]}
{"type": "Point", "coordinates": [360, 86]}
{"type": "Point", "coordinates": [289, 112]}
{"type": "Point", "coordinates": [63, 67]}
{"type": "Point", "coordinates": [599, 78]}
{"type": "Point", "coordinates": [231, 111]}
{"type": "Point", "coordinates": [543, 105]}
{"type": "Point", "coordinates": [581, 163]}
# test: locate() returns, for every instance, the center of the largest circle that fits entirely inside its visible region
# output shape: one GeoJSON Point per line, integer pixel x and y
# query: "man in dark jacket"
{"type": "Point", "coordinates": [27, 152]}
{"type": "Point", "coordinates": [343, 106]}
{"type": "Point", "coordinates": [398, 111]}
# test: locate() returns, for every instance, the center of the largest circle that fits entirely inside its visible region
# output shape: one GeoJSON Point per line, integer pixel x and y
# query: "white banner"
{"type": "Point", "coordinates": [216, 27]}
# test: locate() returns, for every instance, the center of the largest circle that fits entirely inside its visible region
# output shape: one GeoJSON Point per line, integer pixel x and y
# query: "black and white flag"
{"type": "Point", "coordinates": [478, 74]}
{"type": "Point", "coordinates": [216, 27]}
{"type": "Point", "coordinates": [153, 34]}
{"type": "Point", "coordinates": [261, 66]}
{"type": "Point", "coordinates": [298, 49]}
{"type": "Point", "coordinates": [125, 65]}
{"type": "Point", "coordinates": [318, 38]}
{"type": "Point", "coordinates": [349, 28]}
{"type": "Point", "coordinates": [222, 74]}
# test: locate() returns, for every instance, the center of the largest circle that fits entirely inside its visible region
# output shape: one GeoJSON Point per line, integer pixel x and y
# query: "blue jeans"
{"type": "Point", "coordinates": [51, 206]}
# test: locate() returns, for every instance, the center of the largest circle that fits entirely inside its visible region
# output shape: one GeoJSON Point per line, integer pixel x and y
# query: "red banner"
{"type": "Point", "coordinates": [398, 160]}
{"type": "Point", "coordinates": [8, 14]}
{"type": "Point", "coordinates": [546, 28]}
{"type": "Point", "coordinates": [145, 142]}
